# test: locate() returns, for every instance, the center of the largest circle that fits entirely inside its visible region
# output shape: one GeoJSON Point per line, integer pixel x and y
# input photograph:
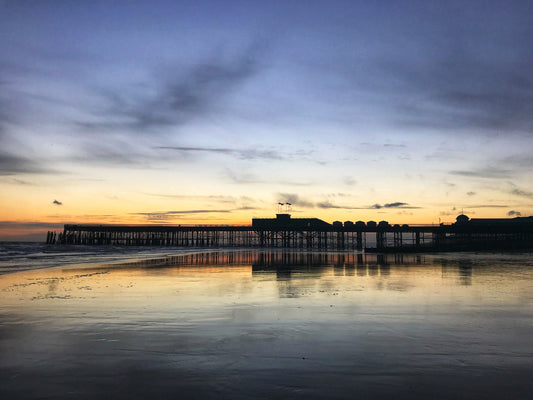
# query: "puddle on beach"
{"type": "Point", "coordinates": [255, 324]}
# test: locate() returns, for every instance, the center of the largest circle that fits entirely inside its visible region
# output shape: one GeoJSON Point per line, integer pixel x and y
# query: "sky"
{"type": "Point", "coordinates": [213, 112]}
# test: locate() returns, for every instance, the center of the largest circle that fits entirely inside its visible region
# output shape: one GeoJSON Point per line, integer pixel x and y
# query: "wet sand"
{"type": "Point", "coordinates": [241, 326]}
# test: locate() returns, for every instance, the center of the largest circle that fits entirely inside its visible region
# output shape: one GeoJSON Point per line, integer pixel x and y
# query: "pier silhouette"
{"type": "Point", "coordinates": [313, 234]}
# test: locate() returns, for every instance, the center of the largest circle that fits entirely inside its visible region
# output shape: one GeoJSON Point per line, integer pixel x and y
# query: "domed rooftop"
{"type": "Point", "coordinates": [461, 219]}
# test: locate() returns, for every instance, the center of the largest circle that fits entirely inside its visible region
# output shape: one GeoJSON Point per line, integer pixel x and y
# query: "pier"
{"type": "Point", "coordinates": [313, 234]}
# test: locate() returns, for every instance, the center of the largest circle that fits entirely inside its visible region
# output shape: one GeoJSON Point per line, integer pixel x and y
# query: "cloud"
{"type": "Point", "coordinates": [488, 172]}
{"type": "Point", "coordinates": [216, 198]}
{"type": "Point", "coordinates": [247, 208]}
{"type": "Point", "coordinates": [454, 211]}
{"type": "Point", "coordinates": [164, 216]}
{"type": "Point", "coordinates": [104, 154]}
{"type": "Point", "coordinates": [181, 212]}
{"type": "Point", "coordinates": [30, 225]}
{"type": "Point", "coordinates": [447, 213]}
{"type": "Point", "coordinates": [327, 205]}
{"type": "Point", "coordinates": [20, 182]}
{"type": "Point", "coordinates": [519, 161]}
{"type": "Point", "coordinates": [249, 178]}
{"type": "Point", "coordinates": [487, 206]}
{"type": "Point", "coordinates": [513, 213]}
{"type": "Point", "coordinates": [240, 202]}
{"type": "Point", "coordinates": [12, 164]}
{"type": "Point", "coordinates": [397, 204]}
{"type": "Point", "coordinates": [178, 96]}
{"type": "Point", "coordinates": [58, 203]}
{"type": "Point", "coordinates": [458, 89]}
{"type": "Point", "coordinates": [522, 193]}
{"type": "Point", "coordinates": [248, 154]}
{"type": "Point", "coordinates": [393, 145]}
{"type": "Point", "coordinates": [116, 150]}
{"type": "Point", "coordinates": [8, 112]}
{"type": "Point", "coordinates": [348, 180]}
{"type": "Point", "coordinates": [243, 177]}
{"type": "Point", "coordinates": [294, 199]}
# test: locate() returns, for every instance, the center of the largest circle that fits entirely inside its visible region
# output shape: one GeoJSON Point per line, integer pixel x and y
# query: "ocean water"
{"type": "Point", "coordinates": [254, 324]}
{"type": "Point", "coordinates": [22, 256]}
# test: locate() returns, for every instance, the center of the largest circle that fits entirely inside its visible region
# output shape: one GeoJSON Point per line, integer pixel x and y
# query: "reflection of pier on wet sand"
{"type": "Point", "coordinates": [313, 234]}
{"type": "Point", "coordinates": [262, 323]}
{"type": "Point", "coordinates": [285, 263]}
{"type": "Point", "coordinates": [279, 258]}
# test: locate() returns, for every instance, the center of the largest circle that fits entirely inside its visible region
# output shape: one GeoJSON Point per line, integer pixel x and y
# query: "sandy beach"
{"type": "Point", "coordinates": [245, 325]}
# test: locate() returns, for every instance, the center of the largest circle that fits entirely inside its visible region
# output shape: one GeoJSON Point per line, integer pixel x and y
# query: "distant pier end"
{"type": "Point", "coordinates": [314, 234]}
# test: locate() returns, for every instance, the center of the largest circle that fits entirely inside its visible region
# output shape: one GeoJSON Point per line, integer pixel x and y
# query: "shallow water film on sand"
{"type": "Point", "coordinates": [260, 325]}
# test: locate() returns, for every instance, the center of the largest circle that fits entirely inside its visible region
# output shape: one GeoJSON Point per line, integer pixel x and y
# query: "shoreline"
{"type": "Point", "coordinates": [30, 256]}
{"type": "Point", "coordinates": [60, 256]}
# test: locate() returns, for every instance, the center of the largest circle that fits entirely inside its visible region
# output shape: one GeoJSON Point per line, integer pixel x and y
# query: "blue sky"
{"type": "Point", "coordinates": [213, 111]}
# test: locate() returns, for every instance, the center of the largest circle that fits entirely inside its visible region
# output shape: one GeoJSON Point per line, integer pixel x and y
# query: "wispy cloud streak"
{"type": "Point", "coordinates": [178, 97]}
{"type": "Point", "coordinates": [248, 154]}
{"type": "Point", "coordinates": [11, 164]}
{"type": "Point", "coordinates": [489, 172]}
